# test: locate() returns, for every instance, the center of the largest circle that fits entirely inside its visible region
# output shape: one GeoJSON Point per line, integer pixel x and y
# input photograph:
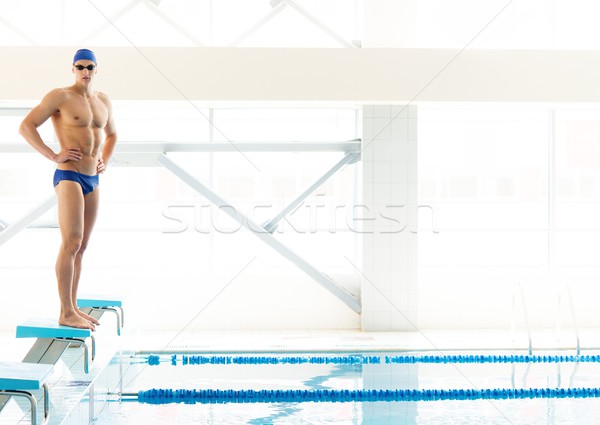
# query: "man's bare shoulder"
{"type": "Point", "coordinates": [102, 96]}
{"type": "Point", "coordinates": [56, 96]}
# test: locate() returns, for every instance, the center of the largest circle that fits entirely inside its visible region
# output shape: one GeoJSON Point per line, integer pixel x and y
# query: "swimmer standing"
{"type": "Point", "coordinates": [80, 116]}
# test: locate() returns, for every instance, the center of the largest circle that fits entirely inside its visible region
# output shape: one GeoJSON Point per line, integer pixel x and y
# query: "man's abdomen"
{"type": "Point", "coordinates": [88, 164]}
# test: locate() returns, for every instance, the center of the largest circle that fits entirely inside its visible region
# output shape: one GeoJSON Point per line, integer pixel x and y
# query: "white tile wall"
{"type": "Point", "coordinates": [389, 170]}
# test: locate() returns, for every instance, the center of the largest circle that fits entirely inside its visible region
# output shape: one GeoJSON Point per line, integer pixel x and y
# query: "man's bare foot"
{"type": "Point", "coordinates": [75, 321]}
{"type": "Point", "coordinates": [88, 317]}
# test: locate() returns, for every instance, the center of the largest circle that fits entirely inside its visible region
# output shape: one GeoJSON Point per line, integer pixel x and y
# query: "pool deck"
{"type": "Point", "coordinates": [347, 340]}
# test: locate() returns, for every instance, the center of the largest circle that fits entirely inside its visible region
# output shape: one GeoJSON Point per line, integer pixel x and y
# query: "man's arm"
{"type": "Point", "coordinates": [110, 139]}
{"type": "Point", "coordinates": [49, 105]}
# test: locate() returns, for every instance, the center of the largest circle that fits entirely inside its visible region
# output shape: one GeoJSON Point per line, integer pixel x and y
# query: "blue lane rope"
{"type": "Point", "coordinates": [361, 359]}
{"type": "Point", "coordinates": [512, 358]}
{"type": "Point", "coordinates": [208, 396]}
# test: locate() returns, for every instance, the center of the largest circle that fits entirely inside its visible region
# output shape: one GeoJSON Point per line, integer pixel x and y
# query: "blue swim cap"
{"type": "Point", "coordinates": [84, 54]}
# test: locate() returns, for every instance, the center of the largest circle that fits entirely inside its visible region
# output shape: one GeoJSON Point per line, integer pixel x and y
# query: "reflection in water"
{"type": "Point", "coordinates": [369, 376]}
{"type": "Point", "coordinates": [287, 412]}
{"type": "Point", "coordinates": [281, 412]}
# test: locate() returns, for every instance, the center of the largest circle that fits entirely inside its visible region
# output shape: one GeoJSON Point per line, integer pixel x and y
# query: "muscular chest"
{"type": "Point", "coordinates": [85, 113]}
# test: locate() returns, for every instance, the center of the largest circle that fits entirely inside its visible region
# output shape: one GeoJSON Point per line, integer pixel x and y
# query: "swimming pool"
{"type": "Point", "coordinates": [255, 377]}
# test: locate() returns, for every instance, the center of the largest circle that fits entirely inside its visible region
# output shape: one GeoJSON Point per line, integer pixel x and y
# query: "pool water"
{"type": "Point", "coordinates": [139, 375]}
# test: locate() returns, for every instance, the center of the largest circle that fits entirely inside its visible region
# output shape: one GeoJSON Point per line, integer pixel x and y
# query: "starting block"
{"type": "Point", "coordinates": [19, 379]}
{"type": "Point", "coordinates": [97, 305]}
{"type": "Point", "coordinates": [52, 341]}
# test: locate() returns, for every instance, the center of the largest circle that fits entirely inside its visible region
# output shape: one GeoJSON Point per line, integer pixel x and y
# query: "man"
{"type": "Point", "coordinates": [79, 115]}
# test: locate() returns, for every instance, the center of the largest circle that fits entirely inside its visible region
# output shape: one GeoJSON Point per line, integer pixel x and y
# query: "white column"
{"type": "Point", "coordinates": [389, 215]}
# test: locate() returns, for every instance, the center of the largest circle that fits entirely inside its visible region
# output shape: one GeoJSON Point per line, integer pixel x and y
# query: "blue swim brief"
{"type": "Point", "coordinates": [88, 183]}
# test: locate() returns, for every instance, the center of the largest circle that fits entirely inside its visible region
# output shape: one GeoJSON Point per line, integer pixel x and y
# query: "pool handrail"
{"type": "Point", "coordinates": [566, 289]}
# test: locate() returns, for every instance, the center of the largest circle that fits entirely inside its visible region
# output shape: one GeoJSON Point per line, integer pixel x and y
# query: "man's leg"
{"type": "Point", "coordinates": [70, 222]}
{"type": "Point", "coordinates": [91, 202]}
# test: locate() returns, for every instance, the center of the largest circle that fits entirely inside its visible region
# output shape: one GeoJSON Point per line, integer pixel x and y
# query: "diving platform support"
{"type": "Point", "coordinates": [349, 158]}
{"type": "Point", "coordinates": [27, 219]}
{"type": "Point", "coordinates": [263, 234]}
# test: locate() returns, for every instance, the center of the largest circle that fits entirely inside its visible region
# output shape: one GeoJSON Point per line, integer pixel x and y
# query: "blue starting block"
{"type": "Point", "coordinates": [19, 379]}
{"type": "Point", "coordinates": [53, 339]}
{"type": "Point", "coordinates": [97, 305]}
